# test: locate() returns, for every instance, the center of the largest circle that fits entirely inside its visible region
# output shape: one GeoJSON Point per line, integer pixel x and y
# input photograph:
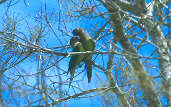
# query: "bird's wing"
{"type": "Point", "coordinates": [89, 45]}
{"type": "Point", "coordinates": [75, 59]}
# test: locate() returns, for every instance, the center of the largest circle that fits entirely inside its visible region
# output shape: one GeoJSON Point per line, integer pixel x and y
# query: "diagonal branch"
{"type": "Point", "coordinates": [147, 86]}
{"type": "Point", "coordinates": [77, 95]}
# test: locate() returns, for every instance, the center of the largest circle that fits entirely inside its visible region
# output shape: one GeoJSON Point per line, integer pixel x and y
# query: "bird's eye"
{"type": "Point", "coordinates": [77, 37]}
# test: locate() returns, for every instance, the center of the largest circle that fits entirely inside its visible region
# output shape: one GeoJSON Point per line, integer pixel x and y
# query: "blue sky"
{"type": "Point", "coordinates": [28, 12]}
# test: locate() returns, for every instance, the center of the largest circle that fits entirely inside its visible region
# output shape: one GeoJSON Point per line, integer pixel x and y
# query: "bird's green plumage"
{"type": "Point", "coordinates": [87, 42]}
{"type": "Point", "coordinates": [89, 45]}
{"type": "Point", "coordinates": [88, 66]}
{"type": "Point", "coordinates": [75, 59]}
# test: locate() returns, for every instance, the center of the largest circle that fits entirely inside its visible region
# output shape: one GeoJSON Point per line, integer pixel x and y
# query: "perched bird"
{"type": "Point", "coordinates": [75, 59]}
{"type": "Point", "coordinates": [87, 41]}
{"type": "Point", "coordinates": [89, 45]}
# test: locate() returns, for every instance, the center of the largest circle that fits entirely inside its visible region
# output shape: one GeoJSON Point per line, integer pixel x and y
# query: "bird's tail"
{"type": "Point", "coordinates": [70, 82]}
{"type": "Point", "coordinates": [88, 66]}
{"type": "Point", "coordinates": [72, 76]}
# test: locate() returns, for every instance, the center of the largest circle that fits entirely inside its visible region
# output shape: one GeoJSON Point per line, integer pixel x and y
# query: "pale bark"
{"type": "Point", "coordinates": [147, 86]}
{"type": "Point", "coordinates": [162, 47]}
{"type": "Point", "coordinates": [120, 94]}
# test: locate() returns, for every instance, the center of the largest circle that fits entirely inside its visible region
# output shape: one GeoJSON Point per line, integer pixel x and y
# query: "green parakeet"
{"type": "Point", "coordinates": [75, 59]}
{"type": "Point", "coordinates": [89, 45]}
